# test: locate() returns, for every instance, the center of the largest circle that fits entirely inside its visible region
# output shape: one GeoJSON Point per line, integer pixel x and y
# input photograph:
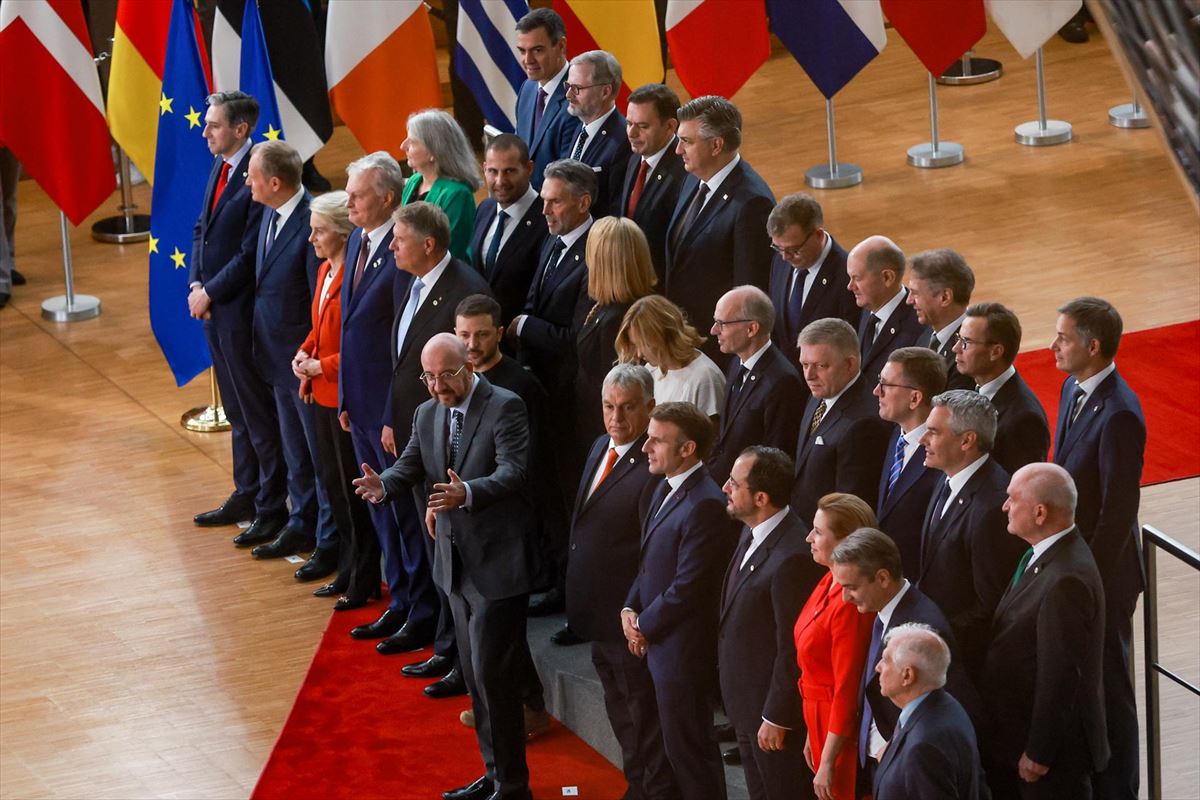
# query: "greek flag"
{"type": "Point", "coordinates": [486, 57]}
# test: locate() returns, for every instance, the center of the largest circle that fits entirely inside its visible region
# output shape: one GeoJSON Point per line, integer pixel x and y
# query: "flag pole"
{"type": "Point", "coordinates": [210, 418]}
{"type": "Point", "coordinates": [70, 307]}
{"type": "Point", "coordinates": [934, 153]}
{"type": "Point", "coordinates": [1128, 115]}
{"type": "Point", "coordinates": [1042, 132]}
{"type": "Point", "coordinates": [970, 70]}
{"type": "Point", "coordinates": [833, 175]}
{"type": "Point", "coordinates": [129, 227]}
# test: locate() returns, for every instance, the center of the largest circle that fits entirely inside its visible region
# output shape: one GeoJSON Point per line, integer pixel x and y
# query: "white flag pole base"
{"type": "Point", "coordinates": [1037, 134]}
{"type": "Point", "coordinates": [970, 70]}
{"type": "Point", "coordinates": [836, 176]}
{"type": "Point", "coordinates": [931, 156]}
{"type": "Point", "coordinates": [1128, 115]}
{"type": "Point", "coordinates": [60, 308]}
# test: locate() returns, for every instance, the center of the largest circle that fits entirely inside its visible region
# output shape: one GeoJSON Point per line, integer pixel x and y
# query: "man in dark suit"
{"type": "Point", "coordinates": [606, 532]}
{"type": "Point", "coordinates": [762, 390]}
{"type": "Point", "coordinates": [867, 565]}
{"type": "Point", "coordinates": [542, 118]}
{"type": "Point", "coordinates": [510, 228]}
{"type": "Point", "coordinates": [966, 556]}
{"type": "Point", "coordinates": [221, 280]}
{"type": "Point", "coordinates": [671, 612]}
{"type": "Point", "coordinates": [910, 380]}
{"type": "Point", "coordinates": [593, 81]}
{"type": "Point", "coordinates": [842, 439]}
{"type": "Point", "coordinates": [934, 752]}
{"type": "Point", "coordinates": [1101, 441]}
{"type": "Point", "coordinates": [984, 350]}
{"type": "Point", "coordinates": [717, 235]}
{"type": "Point", "coordinates": [876, 270]}
{"type": "Point", "coordinates": [469, 452]}
{"type": "Point", "coordinates": [808, 272]}
{"type": "Point", "coordinates": [655, 173]}
{"type": "Point", "coordinates": [771, 575]}
{"type": "Point", "coordinates": [420, 246]}
{"type": "Point", "coordinates": [939, 288]}
{"type": "Point", "coordinates": [1042, 680]}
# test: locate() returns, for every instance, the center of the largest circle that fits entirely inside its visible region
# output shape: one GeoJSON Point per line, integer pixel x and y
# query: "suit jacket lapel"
{"type": "Point", "coordinates": [757, 559]}
{"type": "Point", "coordinates": [554, 104]}
{"type": "Point", "coordinates": [474, 413]}
{"type": "Point", "coordinates": [441, 432]}
{"type": "Point", "coordinates": [1092, 406]}
{"type": "Point", "coordinates": [911, 473]}
{"type": "Point", "coordinates": [570, 261]}
{"type": "Point", "coordinates": [716, 202]}
{"type": "Point", "coordinates": [669, 507]}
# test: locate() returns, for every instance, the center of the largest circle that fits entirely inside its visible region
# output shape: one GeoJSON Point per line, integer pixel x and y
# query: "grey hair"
{"type": "Point", "coordinates": [443, 137]}
{"type": "Point", "coordinates": [627, 375]}
{"type": "Point", "coordinates": [388, 175]}
{"type": "Point", "coordinates": [1052, 486]}
{"type": "Point", "coordinates": [756, 305]}
{"type": "Point", "coordinates": [605, 68]}
{"type": "Point", "coordinates": [718, 118]}
{"type": "Point", "coordinates": [332, 206]}
{"type": "Point", "coordinates": [831, 331]}
{"type": "Point", "coordinates": [970, 411]}
{"type": "Point", "coordinates": [579, 177]}
{"type": "Point", "coordinates": [919, 646]}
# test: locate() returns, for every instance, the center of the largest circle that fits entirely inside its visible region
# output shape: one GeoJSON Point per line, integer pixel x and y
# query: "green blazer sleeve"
{"type": "Point", "coordinates": [458, 201]}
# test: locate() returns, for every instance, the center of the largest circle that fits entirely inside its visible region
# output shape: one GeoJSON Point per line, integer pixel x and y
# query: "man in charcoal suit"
{"type": "Point", "coordinates": [593, 81]}
{"type": "Point", "coordinates": [876, 270]}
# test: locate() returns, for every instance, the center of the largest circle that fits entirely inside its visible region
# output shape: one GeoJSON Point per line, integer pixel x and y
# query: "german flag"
{"type": "Point", "coordinates": [135, 80]}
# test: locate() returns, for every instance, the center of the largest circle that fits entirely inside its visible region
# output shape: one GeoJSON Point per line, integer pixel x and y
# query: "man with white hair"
{"type": "Point", "coordinates": [933, 752]}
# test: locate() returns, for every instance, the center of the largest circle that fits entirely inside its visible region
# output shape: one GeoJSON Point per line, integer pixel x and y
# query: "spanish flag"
{"type": "Point", "coordinates": [628, 30]}
{"type": "Point", "coordinates": [135, 80]}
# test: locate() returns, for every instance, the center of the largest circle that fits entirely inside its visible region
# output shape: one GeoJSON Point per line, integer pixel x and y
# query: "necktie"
{"type": "Point", "coordinates": [864, 729]}
{"type": "Point", "coordinates": [608, 466]}
{"type": "Point", "coordinates": [1021, 565]}
{"type": "Point", "coordinates": [456, 429]}
{"type": "Point", "coordinates": [869, 333]}
{"type": "Point", "coordinates": [934, 344]}
{"type": "Point", "coordinates": [660, 498]}
{"type": "Point", "coordinates": [939, 510]}
{"type": "Point", "coordinates": [406, 316]}
{"type": "Point", "coordinates": [639, 186]}
{"type": "Point", "coordinates": [739, 556]}
{"type": "Point", "coordinates": [939, 501]}
{"type": "Point", "coordinates": [222, 179]}
{"type": "Point", "coordinates": [739, 380]}
{"type": "Point", "coordinates": [692, 212]}
{"type": "Point", "coordinates": [552, 261]}
{"type": "Point", "coordinates": [1076, 406]}
{"type": "Point", "coordinates": [360, 264]}
{"type": "Point", "coordinates": [539, 109]}
{"type": "Point", "coordinates": [817, 416]}
{"type": "Point", "coordinates": [271, 232]}
{"type": "Point", "coordinates": [489, 260]}
{"type": "Point", "coordinates": [795, 304]}
{"type": "Point", "coordinates": [897, 464]}
{"type": "Point", "coordinates": [580, 143]}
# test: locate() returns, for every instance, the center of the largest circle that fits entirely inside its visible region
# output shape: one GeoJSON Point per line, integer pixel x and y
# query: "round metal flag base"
{"type": "Point", "coordinates": [979, 70]}
{"type": "Point", "coordinates": [1128, 116]}
{"type": "Point", "coordinates": [925, 156]}
{"type": "Point", "coordinates": [118, 230]}
{"type": "Point", "coordinates": [1034, 135]}
{"type": "Point", "coordinates": [207, 419]}
{"type": "Point", "coordinates": [84, 307]}
{"type": "Point", "coordinates": [840, 177]}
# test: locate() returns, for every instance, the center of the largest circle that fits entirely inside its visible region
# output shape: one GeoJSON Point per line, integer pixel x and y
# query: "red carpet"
{"type": "Point", "coordinates": [1162, 365]}
{"type": "Point", "coordinates": [360, 730]}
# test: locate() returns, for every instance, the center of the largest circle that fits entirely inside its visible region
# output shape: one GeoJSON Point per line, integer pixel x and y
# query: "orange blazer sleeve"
{"type": "Point", "coordinates": [310, 342]}
{"type": "Point", "coordinates": [850, 633]}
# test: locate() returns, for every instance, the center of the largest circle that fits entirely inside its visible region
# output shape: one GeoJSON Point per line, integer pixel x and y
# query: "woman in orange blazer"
{"type": "Point", "coordinates": [316, 365]}
{"type": "Point", "coordinates": [831, 647]}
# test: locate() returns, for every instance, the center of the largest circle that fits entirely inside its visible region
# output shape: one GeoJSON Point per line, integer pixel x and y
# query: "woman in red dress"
{"type": "Point", "coordinates": [831, 647]}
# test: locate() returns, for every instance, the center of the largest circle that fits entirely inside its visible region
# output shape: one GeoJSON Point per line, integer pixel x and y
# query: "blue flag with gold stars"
{"type": "Point", "coordinates": [181, 169]}
{"type": "Point", "coordinates": [256, 79]}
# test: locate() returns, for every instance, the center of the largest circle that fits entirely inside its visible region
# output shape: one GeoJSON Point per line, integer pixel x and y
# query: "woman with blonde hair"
{"type": "Point", "coordinates": [445, 173]}
{"type": "Point", "coordinates": [656, 331]}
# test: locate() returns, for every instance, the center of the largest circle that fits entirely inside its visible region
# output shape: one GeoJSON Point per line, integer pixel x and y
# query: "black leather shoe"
{"type": "Point", "coordinates": [18, 279]}
{"type": "Point", "coordinates": [319, 565]}
{"type": "Point", "coordinates": [549, 603]}
{"type": "Point", "coordinates": [289, 542]}
{"type": "Point", "coordinates": [732, 756]}
{"type": "Point", "coordinates": [231, 512]}
{"type": "Point", "coordinates": [480, 789]}
{"type": "Point", "coordinates": [328, 590]}
{"type": "Point", "coordinates": [565, 637]}
{"type": "Point", "coordinates": [351, 602]}
{"type": "Point", "coordinates": [388, 623]}
{"type": "Point", "coordinates": [452, 685]}
{"type": "Point", "coordinates": [405, 640]}
{"type": "Point", "coordinates": [433, 667]}
{"type": "Point", "coordinates": [262, 530]}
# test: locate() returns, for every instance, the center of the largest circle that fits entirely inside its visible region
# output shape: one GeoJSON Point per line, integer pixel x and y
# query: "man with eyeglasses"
{"type": "Point", "coordinates": [542, 118]}
{"type": "Point", "coordinates": [593, 80]}
{"type": "Point", "coordinates": [468, 454]}
{"type": "Point", "coordinates": [808, 272]}
{"type": "Point", "coordinates": [875, 269]}
{"type": "Point", "coordinates": [984, 351]}
{"type": "Point", "coordinates": [939, 288]}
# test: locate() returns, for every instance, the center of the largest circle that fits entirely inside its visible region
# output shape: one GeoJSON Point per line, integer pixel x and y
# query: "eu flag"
{"type": "Point", "coordinates": [256, 79]}
{"type": "Point", "coordinates": [181, 167]}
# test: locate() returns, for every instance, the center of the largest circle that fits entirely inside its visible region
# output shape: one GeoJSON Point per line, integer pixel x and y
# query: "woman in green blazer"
{"type": "Point", "coordinates": [445, 173]}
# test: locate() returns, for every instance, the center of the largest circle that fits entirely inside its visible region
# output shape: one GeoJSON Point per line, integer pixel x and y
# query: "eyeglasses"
{"type": "Point", "coordinates": [882, 385]}
{"type": "Point", "coordinates": [575, 88]}
{"type": "Point", "coordinates": [966, 343]}
{"type": "Point", "coordinates": [792, 252]}
{"type": "Point", "coordinates": [430, 378]}
{"type": "Point", "coordinates": [720, 324]}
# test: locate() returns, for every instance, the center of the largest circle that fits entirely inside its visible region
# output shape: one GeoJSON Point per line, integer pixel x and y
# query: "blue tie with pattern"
{"type": "Point", "coordinates": [897, 465]}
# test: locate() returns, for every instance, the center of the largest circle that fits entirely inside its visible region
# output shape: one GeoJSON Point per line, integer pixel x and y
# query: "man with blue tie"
{"type": "Point", "coordinates": [593, 81]}
{"type": "Point", "coordinates": [542, 118]}
{"type": "Point", "coordinates": [1101, 442]}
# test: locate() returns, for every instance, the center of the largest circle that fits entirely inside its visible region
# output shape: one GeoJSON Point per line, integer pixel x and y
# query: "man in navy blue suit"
{"type": "Point", "coordinates": [542, 118]}
{"type": "Point", "coordinates": [939, 287]}
{"type": "Point", "coordinates": [910, 380]}
{"type": "Point", "coordinates": [670, 615]}
{"type": "Point", "coordinates": [934, 751]}
{"type": "Point", "coordinates": [875, 268]}
{"type": "Point", "coordinates": [593, 80]}
{"type": "Point", "coordinates": [1101, 441]}
{"type": "Point", "coordinates": [222, 294]}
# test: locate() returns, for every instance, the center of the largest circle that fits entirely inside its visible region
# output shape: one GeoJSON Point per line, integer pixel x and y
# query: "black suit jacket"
{"type": "Point", "coordinates": [606, 533]}
{"type": "Point", "coordinates": [224, 241]}
{"type": "Point", "coordinates": [517, 260]}
{"type": "Point", "coordinates": [595, 354]}
{"type": "Point", "coordinates": [901, 330]}
{"type": "Point", "coordinates": [756, 648]}
{"type": "Point", "coordinates": [936, 755]}
{"type": "Point", "coordinates": [284, 278]}
{"type": "Point", "coordinates": [1022, 433]}
{"type": "Point", "coordinates": [608, 155]}
{"type": "Point", "coordinates": [844, 453]}
{"type": "Point", "coordinates": [726, 246]}
{"type": "Point", "coordinates": [367, 352]}
{"type": "Point", "coordinates": [827, 297]}
{"type": "Point", "coordinates": [657, 203]}
{"type": "Point", "coordinates": [765, 411]}
{"type": "Point", "coordinates": [554, 308]}
{"type": "Point", "coordinates": [901, 513]}
{"type": "Point", "coordinates": [954, 378]}
{"type": "Point", "coordinates": [1042, 680]}
{"type": "Point", "coordinates": [968, 557]}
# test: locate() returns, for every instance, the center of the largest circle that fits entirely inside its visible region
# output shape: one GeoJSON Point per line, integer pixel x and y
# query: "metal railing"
{"type": "Point", "coordinates": [1152, 541]}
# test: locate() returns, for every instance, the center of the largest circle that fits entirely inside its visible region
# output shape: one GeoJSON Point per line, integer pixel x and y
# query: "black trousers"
{"type": "Point", "coordinates": [358, 545]}
{"type": "Point", "coordinates": [777, 775]}
{"type": "Point", "coordinates": [1119, 781]}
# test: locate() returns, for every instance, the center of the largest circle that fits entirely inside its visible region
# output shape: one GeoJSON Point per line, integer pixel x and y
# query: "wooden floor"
{"type": "Point", "coordinates": [143, 657]}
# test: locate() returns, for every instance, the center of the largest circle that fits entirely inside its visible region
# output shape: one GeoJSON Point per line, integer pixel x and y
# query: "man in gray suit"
{"type": "Point", "coordinates": [483, 548]}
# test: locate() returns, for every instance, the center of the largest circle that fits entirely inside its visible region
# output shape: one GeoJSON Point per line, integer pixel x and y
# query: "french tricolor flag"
{"type": "Point", "coordinates": [831, 39]}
